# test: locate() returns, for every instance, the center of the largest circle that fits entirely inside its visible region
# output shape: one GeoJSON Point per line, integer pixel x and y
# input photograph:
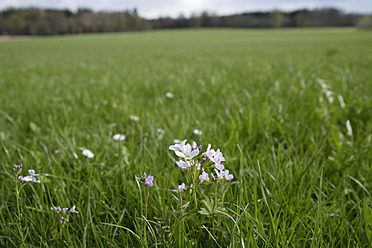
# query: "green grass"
{"type": "Point", "coordinates": [301, 179]}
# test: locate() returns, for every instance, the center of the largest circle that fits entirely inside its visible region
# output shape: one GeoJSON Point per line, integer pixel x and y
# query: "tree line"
{"type": "Point", "coordinates": [35, 21]}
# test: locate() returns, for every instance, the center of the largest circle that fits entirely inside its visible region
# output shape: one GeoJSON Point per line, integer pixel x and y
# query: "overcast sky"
{"type": "Point", "coordinates": [173, 8]}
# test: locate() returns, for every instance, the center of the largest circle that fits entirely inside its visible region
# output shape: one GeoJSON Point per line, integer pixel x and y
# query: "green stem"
{"type": "Point", "coordinates": [18, 190]}
{"type": "Point", "coordinates": [144, 223]}
{"type": "Point", "coordinates": [215, 195]}
{"type": "Point", "coordinates": [215, 205]}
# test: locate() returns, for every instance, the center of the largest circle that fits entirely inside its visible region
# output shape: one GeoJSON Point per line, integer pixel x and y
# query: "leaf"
{"type": "Point", "coordinates": [204, 211]}
{"type": "Point", "coordinates": [34, 128]}
{"type": "Point", "coordinates": [208, 210]}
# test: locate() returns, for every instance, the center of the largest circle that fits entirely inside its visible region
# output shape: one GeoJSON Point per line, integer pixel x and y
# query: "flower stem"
{"type": "Point", "coordinates": [144, 223]}
{"type": "Point", "coordinates": [18, 190]}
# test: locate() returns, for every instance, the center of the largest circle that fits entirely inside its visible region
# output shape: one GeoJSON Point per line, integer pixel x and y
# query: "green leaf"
{"type": "Point", "coordinates": [35, 128]}
{"type": "Point", "coordinates": [204, 211]}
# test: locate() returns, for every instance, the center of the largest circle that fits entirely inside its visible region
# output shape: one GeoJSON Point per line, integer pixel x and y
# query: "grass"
{"type": "Point", "coordinates": [276, 102]}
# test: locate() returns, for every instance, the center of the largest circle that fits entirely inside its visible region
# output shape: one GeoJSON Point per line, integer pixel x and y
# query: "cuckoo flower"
{"type": "Point", "coordinates": [148, 181]}
{"type": "Point", "coordinates": [87, 153]}
{"type": "Point", "coordinates": [204, 177]}
{"type": "Point", "coordinates": [119, 137]}
{"type": "Point", "coordinates": [30, 177]}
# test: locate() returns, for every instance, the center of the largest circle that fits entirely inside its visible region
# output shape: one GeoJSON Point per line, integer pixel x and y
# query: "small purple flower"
{"type": "Point", "coordinates": [57, 209]}
{"type": "Point", "coordinates": [17, 169]}
{"type": "Point", "coordinates": [204, 177]}
{"type": "Point", "coordinates": [30, 178]}
{"type": "Point", "coordinates": [147, 180]}
{"type": "Point", "coordinates": [181, 188]}
{"type": "Point", "coordinates": [63, 213]}
{"type": "Point", "coordinates": [220, 175]}
{"type": "Point", "coordinates": [72, 210]}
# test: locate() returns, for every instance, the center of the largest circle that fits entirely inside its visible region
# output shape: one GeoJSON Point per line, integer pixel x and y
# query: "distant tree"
{"type": "Point", "coordinates": [34, 21]}
{"type": "Point", "coordinates": [365, 22]}
{"type": "Point", "coordinates": [302, 18]}
{"type": "Point", "coordinates": [276, 18]}
{"type": "Point", "coordinates": [195, 20]}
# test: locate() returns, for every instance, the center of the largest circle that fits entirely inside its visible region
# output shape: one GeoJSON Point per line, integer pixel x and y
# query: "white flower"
{"type": "Point", "coordinates": [349, 128]}
{"type": "Point", "coordinates": [215, 156]}
{"type": "Point", "coordinates": [204, 177]}
{"type": "Point", "coordinates": [30, 178]}
{"type": "Point", "coordinates": [119, 137]}
{"type": "Point", "coordinates": [87, 153]}
{"type": "Point", "coordinates": [184, 150]}
{"type": "Point", "coordinates": [177, 141]}
{"type": "Point", "coordinates": [220, 175]}
{"type": "Point", "coordinates": [183, 165]}
{"type": "Point", "coordinates": [210, 152]}
{"type": "Point", "coordinates": [160, 132]}
{"type": "Point", "coordinates": [72, 210]}
{"type": "Point", "coordinates": [134, 118]}
{"type": "Point", "coordinates": [198, 132]}
{"type": "Point", "coordinates": [181, 188]}
{"type": "Point", "coordinates": [169, 95]}
{"type": "Point", "coordinates": [177, 146]}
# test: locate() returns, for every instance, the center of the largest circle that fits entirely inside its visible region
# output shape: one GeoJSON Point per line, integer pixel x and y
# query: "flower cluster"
{"type": "Point", "coordinates": [191, 157]}
{"type": "Point", "coordinates": [64, 213]}
{"type": "Point", "coordinates": [17, 169]}
{"type": "Point", "coordinates": [146, 180]}
{"type": "Point", "coordinates": [30, 177]}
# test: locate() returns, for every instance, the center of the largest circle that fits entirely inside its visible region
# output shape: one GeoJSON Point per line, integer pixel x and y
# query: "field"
{"type": "Point", "coordinates": [290, 109]}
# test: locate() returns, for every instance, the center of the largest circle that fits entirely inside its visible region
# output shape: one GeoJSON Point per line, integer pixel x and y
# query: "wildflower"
{"type": "Point", "coordinates": [349, 128]}
{"type": "Point", "coordinates": [72, 210]}
{"type": "Point", "coordinates": [134, 118]}
{"type": "Point", "coordinates": [210, 152]}
{"type": "Point", "coordinates": [181, 188]}
{"type": "Point", "coordinates": [176, 141]}
{"type": "Point", "coordinates": [119, 137]}
{"type": "Point", "coordinates": [57, 209]}
{"type": "Point", "coordinates": [184, 151]}
{"type": "Point", "coordinates": [217, 158]}
{"type": "Point", "coordinates": [204, 177]}
{"type": "Point", "coordinates": [198, 132]}
{"type": "Point", "coordinates": [160, 131]}
{"type": "Point", "coordinates": [177, 146]}
{"type": "Point", "coordinates": [111, 125]}
{"type": "Point", "coordinates": [169, 95]}
{"type": "Point", "coordinates": [64, 213]}
{"type": "Point", "coordinates": [147, 180]}
{"type": "Point", "coordinates": [87, 153]}
{"type": "Point", "coordinates": [220, 175]}
{"type": "Point", "coordinates": [17, 169]}
{"type": "Point", "coordinates": [184, 165]}
{"type": "Point", "coordinates": [30, 178]}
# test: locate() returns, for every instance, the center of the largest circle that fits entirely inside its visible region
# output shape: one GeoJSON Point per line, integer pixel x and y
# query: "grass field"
{"type": "Point", "coordinates": [290, 109]}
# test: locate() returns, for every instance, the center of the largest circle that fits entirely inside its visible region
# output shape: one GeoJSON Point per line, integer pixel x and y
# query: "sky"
{"type": "Point", "coordinates": [174, 8]}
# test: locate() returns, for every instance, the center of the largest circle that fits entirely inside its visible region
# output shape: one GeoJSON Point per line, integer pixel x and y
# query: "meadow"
{"type": "Point", "coordinates": [290, 109]}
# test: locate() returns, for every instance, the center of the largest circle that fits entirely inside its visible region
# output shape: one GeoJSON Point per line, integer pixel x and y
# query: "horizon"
{"type": "Point", "coordinates": [174, 9]}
